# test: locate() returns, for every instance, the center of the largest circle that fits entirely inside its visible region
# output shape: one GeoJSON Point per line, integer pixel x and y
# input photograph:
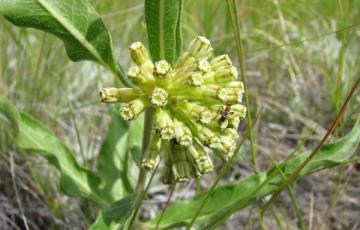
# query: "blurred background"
{"type": "Point", "coordinates": [301, 56]}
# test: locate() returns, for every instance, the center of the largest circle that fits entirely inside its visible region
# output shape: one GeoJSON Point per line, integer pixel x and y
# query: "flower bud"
{"type": "Point", "coordinates": [162, 68]}
{"type": "Point", "coordinates": [229, 95]}
{"type": "Point", "coordinates": [187, 60]}
{"type": "Point", "coordinates": [112, 95]}
{"type": "Point", "coordinates": [203, 65]}
{"type": "Point", "coordinates": [196, 79]}
{"type": "Point", "coordinates": [134, 74]}
{"type": "Point", "coordinates": [181, 167]}
{"type": "Point", "coordinates": [231, 133]}
{"type": "Point", "coordinates": [164, 125]}
{"type": "Point", "coordinates": [167, 175]}
{"type": "Point", "coordinates": [220, 61]}
{"type": "Point", "coordinates": [228, 143]}
{"type": "Point", "coordinates": [199, 113]}
{"type": "Point", "coordinates": [226, 148]}
{"type": "Point", "coordinates": [234, 121]}
{"type": "Point", "coordinates": [138, 53]}
{"type": "Point", "coordinates": [224, 75]}
{"type": "Point", "coordinates": [151, 157]}
{"type": "Point", "coordinates": [141, 77]}
{"type": "Point", "coordinates": [203, 163]}
{"type": "Point", "coordinates": [158, 97]}
{"type": "Point", "coordinates": [239, 110]}
{"type": "Point", "coordinates": [208, 137]}
{"type": "Point", "coordinates": [131, 110]}
{"type": "Point", "coordinates": [200, 47]}
{"type": "Point", "coordinates": [235, 84]}
{"type": "Point", "coordinates": [183, 134]}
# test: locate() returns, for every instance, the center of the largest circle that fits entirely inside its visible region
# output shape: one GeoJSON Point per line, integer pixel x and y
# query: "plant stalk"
{"type": "Point", "coordinates": [241, 58]}
{"type": "Point", "coordinates": [149, 114]}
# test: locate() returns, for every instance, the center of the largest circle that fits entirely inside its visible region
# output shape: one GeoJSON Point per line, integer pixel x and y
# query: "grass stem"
{"type": "Point", "coordinates": [239, 49]}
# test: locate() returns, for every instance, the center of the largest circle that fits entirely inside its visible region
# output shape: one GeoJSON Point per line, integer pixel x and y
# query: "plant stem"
{"type": "Point", "coordinates": [140, 198]}
{"type": "Point", "coordinates": [142, 175]}
{"type": "Point", "coordinates": [241, 58]}
{"type": "Point", "coordinates": [166, 205]}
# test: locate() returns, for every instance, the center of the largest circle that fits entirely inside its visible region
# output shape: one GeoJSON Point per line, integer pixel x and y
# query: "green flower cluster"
{"type": "Point", "coordinates": [197, 108]}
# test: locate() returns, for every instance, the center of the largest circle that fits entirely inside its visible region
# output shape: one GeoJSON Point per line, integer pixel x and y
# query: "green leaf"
{"type": "Point", "coordinates": [115, 217]}
{"type": "Point", "coordinates": [231, 198]}
{"type": "Point", "coordinates": [113, 158]}
{"type": "Point", "coordinates": [163, 18]}
{"type": "Point", "coordinates": [75, 22]}
{"type": "Point", "coordinates": [35, 137]}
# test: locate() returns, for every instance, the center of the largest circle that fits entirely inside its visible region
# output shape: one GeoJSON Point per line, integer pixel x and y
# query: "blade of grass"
{"type": "Point", "coordinates": [241, 58]}
{"type": "Point", "coordinates": [294, 201]}
{"type": "Point", "coordinates": [302, 41]}
{"type": "Point", "coordinates": [277, 219]}
{"type": "Point", "coordinates": [166, 205]}
{"type": "Point", "coordinates": [334, 124]}
{"type": "Point", "coordinates": [343, 17]}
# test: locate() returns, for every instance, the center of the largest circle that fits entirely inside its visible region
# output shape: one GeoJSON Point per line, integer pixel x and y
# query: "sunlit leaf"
{"type": "Point", "coordinates": [75, 22]}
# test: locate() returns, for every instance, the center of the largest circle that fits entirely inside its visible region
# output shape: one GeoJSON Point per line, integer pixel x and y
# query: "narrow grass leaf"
{"type": "Point", "coordinates": [228, 199]}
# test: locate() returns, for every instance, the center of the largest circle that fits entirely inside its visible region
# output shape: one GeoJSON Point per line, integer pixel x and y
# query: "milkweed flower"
{"type": "Point", "coordinates": [197, 104]}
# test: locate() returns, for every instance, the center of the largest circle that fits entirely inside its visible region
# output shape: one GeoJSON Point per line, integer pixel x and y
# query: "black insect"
{"type": "Point", "coordinates": [225, 112]}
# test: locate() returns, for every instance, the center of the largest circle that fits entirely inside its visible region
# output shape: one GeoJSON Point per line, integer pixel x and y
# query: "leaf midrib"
{"type": "Point", "coordinates": [161, 30]}
{"type": "Point", "coordinates": [72, 30]}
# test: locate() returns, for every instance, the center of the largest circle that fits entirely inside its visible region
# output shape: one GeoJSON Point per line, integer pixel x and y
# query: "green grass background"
{"type": "Point", "coordinates": [301, 56]}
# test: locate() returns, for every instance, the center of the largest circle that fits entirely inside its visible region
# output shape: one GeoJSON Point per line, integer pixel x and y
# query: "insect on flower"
{"type": "Point", "coordinates": [225, 112]}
